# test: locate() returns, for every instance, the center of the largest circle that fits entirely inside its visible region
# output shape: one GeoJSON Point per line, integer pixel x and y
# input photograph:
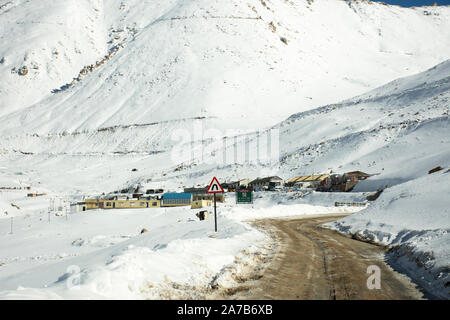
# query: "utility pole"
{"type": "Point", "coordinates": [50, 207]}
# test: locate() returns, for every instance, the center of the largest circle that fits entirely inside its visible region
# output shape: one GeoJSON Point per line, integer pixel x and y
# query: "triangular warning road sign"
{"type": "Point", "coordinates": [215, 187]}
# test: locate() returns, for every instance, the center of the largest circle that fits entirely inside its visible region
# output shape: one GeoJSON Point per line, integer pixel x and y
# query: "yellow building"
{"type": "Point", "coordinates": [220, 197]}
{"type": "Point", "coordinates": [92, 204]}
{"type": "Point", "coordinates": [129, 204]}
{"type": "Point", "coordinates": [197, 204]}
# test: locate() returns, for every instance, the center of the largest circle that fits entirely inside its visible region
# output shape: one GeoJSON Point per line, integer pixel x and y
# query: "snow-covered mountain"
{"type": "Point", "coordinates": [106, 84]}
{"type": "Point", "coordinates": [160, 61]}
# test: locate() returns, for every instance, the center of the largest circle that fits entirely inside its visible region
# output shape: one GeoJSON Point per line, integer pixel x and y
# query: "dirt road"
{"type": "Point", "coordinates": [316, 263]}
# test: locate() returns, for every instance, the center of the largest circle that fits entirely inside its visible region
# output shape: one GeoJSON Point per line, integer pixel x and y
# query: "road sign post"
{"type": "Point", "coordinates": [215, 187]}
{"type": "Point", "coordinates": [215, 214]}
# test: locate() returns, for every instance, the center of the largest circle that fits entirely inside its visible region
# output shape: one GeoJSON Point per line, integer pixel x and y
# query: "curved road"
{"type": "Point", "coordinates": [316, 263]}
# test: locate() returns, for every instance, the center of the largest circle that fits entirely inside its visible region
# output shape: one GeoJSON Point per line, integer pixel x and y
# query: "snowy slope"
{"type": "Point", "coordinates": [182, 59]}
{"type": "Point", "coordinates": [53, 40]}
{"type": "Point", "coordinates": [113, 259]}
{"type": "Point", "coordinates": [414, 219]}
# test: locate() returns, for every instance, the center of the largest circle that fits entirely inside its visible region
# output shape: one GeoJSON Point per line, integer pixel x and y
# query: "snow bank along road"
{"type": "Point", "coordinates": [316, 263]}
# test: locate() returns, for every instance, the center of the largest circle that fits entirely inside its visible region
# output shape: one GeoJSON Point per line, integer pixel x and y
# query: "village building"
{"type": "Point", "coordinates": [220, 197]}
{"type": "Point", "coordinates": [151, 197]}
{"type": "Point", "coordinates": [358, 174]}
{"type": "Point", "coordinates": [176, 199]}
{"type": "Point", "coordinates": [128, 204]}
{"type": "Point", "coordinates": [196, 191]}
{"type": "Point", "coordinates": [115, 202]}
{"type": "Point", "coordinates": [197, 204]}
{"type": "Point", "coordinates": [200, 194]}
{"type": "Point", "coordinates": [236, 185]}
{"type": "Point", "coordinates": [115, 196]}
{"type": "Point", "coordinates": [268, 183]}
{"type": "Point", "coordinates": [154, 191]}
{"type": "Point", "coordinates": [92, 204]}
{"type": "Point", "coordinates": [305, 182]}
{"type": "Point", "coordinates": [338, 183]}
{"type": "Point", "coordinates": [78, 207]}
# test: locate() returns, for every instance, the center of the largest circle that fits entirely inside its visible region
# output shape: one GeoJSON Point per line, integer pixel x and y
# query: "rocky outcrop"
{"type": "Point", "coordinates": [90, 68]}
